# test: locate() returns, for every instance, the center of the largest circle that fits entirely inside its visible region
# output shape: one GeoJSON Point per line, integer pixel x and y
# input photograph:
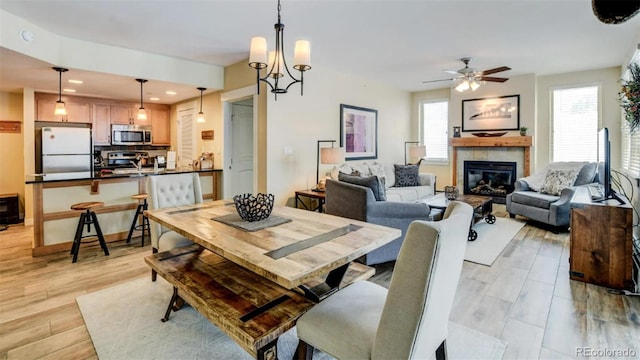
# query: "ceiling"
{"type": "Point", "coordinates": [399, 43]}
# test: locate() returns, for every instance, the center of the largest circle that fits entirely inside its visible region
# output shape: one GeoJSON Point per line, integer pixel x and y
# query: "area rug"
{"type": "Point", "coordinates": [124, 323]}
{"type": "Point", "coordinates": [492, 239]}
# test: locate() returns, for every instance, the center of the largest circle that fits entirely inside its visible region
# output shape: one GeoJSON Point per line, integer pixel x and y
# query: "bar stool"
{"type": "Point", "coordinates": [87, 218]}
{"type": "Point", "coordinates": [140, 212]}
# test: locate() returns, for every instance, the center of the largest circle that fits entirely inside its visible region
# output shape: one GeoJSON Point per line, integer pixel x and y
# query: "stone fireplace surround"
{"type": "Point", "coordinates": [510, 148]}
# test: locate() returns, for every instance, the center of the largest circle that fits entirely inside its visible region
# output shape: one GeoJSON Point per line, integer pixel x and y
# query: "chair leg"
{"type": "Point", "coordinates": [103, 244]}
{"type": "Point", "coordinates": [75, 248]}
{"type": "Point", "coordinates": [154, 274]}
{"type": "Point", "coordinates": [513, 216]}
{"type": "Point", "coordinates": [304, 351]}
{"type": "Point", "coordinates": [133, 224]}
{"type": "Point", "coordinates": [441, 351]}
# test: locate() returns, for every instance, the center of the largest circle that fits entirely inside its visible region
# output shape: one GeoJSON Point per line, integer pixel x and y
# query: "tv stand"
{"type": "Point", "coordinates": [612, 196]}
{"type": "Point", "coordinates": [601, 241]}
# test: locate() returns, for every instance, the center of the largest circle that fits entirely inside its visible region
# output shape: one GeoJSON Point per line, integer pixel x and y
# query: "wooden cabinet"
{"type": "Point", "coordinates": [101, 124]}
{"type": "Point", "coordinates": [78, 109]}
{"type": "Point", "coordinates": [601, 242]}
{"type": "Point", "coordinates": [161, 127]}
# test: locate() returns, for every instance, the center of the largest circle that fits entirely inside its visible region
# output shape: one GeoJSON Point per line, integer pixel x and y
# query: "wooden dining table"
{"type": "Point", "coordinates": [248, 282]}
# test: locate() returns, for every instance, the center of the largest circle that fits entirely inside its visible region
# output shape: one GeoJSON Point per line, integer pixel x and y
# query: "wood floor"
{"type": "Point", "coordinates": [525, 298]}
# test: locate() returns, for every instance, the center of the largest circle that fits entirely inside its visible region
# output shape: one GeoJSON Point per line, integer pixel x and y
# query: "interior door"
{"type": "Point", "coordinates": [242, 147]}
{"type": "Point", "coordinates": [186, 151]}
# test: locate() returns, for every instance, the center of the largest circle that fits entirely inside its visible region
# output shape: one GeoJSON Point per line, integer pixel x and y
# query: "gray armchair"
{"type": "Point", "coordinates": [358, 203]}
{"type": "Point", "coordinates": [552, 210]}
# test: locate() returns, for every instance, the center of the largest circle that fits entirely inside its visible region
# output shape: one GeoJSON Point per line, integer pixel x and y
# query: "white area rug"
{"type": "Point", "coordinates": [124, 323]}
{"type": "Point", "coordinates": [492, 239]}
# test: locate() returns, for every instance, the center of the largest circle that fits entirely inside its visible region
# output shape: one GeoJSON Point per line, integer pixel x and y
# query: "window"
{"type": "Point", "coordinates": [574, 116]}
{"type": "Point", "coordinates": [630, 151]}
{"type": "Point", "coordinates": [434, 122]}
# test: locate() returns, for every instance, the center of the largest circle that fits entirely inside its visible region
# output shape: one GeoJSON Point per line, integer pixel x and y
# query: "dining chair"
{"type": "Point", "coordinates": [408, 321]}
{"type": "Point", "coordinates": [168, 191]}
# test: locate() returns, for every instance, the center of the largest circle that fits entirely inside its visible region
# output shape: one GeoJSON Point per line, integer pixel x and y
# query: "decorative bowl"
{"type": "Point", "coordinates": [254, 208]}
{"type": "Point", "coordinates": [450, 192]}
{"type": "Point", "coordinates": [486, 134]}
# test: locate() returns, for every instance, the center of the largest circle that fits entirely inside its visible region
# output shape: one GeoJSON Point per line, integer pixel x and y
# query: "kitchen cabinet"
{"type": "Point", "coordinates": [161, 127]}
{"type": "Point", "coordinates": [77, 111]}
{"type": "Point", "coordinates": [127, 114]}
{"type": "Point", "coordinates": [101, 124]}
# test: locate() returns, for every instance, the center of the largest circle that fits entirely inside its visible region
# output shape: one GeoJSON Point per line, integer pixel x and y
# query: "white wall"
{"type": "Point", "coordinates": [299, 122]}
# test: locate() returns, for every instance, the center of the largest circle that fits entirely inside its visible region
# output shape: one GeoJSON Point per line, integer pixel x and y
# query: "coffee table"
{"type": "Point", "coordinates": [482, 208]}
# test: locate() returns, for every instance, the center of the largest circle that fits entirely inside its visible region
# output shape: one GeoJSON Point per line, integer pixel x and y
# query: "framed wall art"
{"type": "Point", "coordinates": [359, 132]}
{"type": "Point", "coordinates": [497, 113]}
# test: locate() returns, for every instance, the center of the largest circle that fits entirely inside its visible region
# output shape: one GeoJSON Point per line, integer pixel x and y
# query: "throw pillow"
{"type": "Point", "coordinates": [406, 175]}
{"type": "Point", "coordinates": [371, 182]}
{"type": "Point", "coordinates": [377, 169]}
{"type": "Point", "coordinates": [557, 180]}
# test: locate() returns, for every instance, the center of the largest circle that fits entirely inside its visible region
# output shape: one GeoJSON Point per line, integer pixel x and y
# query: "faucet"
{"type": "Point", "coordinates": [138, 165]}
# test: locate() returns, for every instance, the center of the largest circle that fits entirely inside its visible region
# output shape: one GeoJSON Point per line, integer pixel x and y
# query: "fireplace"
{"type": "Point", "coordinates": [489, 178]}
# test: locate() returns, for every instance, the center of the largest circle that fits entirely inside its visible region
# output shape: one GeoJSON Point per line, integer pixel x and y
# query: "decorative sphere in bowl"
{"type": "Point", "coordinates": [254, 208]}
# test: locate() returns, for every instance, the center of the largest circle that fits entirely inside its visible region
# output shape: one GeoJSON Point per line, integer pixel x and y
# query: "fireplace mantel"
{"type": "Point", "coordinates": [524, 142]}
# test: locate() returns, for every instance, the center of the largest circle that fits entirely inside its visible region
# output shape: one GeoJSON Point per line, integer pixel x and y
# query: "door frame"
{"type": "Point", "coordinates": [226, 99]}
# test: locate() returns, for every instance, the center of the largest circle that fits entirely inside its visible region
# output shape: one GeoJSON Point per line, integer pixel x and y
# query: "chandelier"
{"type": "Point", "coordinates": [276, 63]}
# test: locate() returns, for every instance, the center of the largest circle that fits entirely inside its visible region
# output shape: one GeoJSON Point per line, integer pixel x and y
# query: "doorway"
{"type": "Point", "coordinates": [240, 142]}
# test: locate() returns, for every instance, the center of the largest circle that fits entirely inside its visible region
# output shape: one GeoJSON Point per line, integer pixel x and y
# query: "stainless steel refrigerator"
{"type": "Point", "coordinates": [66, 153]}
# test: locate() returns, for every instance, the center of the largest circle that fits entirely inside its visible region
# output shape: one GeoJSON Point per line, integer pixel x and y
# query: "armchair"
{"type": "Point", "coordinates": [167, 191]}
{"type": "Point", "coordinates": [409, 321]}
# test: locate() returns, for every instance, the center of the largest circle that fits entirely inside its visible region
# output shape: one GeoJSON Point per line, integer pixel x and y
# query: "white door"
{"type": "Point", "coordinates": [186, 138]}
{"type": "Point", "coordinates": [242, 147]}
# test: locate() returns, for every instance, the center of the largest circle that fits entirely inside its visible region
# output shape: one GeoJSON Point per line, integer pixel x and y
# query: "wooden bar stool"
{"type": "Point", "coordinates": [144, 223]}
{"type": "Point", "coordinates": [87, 218]}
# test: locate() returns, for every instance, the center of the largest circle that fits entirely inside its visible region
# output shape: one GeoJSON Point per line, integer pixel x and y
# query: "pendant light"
{"type": "Point", "coordinates": [278, 71]}
{"type": "Point", "coordinates": [60, 108]}
{"type": "Point", "coordinates": [201, 114]}
{"type": "Point", "coordinates": [142, 114]}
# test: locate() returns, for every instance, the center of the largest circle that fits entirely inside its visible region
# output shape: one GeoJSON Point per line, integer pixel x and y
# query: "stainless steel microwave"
{"type": "Point", "coordinates": [130, 134]}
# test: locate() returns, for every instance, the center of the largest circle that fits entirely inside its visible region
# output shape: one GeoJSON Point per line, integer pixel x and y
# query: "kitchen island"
{"type": "Point", "coordinates": [55, 223]}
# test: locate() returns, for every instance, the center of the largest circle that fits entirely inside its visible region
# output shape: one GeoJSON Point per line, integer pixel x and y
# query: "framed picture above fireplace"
{"type": "Point", "coordinates": [496, 113]}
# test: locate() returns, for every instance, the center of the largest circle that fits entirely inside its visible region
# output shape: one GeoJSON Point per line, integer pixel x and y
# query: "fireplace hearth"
{"type": "Point", "coordinates": [489, 178]}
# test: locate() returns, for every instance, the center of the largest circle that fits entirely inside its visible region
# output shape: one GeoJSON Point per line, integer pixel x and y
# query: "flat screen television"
{"type": "Point", "coordinates": [604, 166]}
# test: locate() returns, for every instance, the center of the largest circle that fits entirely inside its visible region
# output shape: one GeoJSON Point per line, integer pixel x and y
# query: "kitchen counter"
{"type": "Point", "coordinates": [55, 223]}
{"type": "Point", "coordinates": [121, 173]}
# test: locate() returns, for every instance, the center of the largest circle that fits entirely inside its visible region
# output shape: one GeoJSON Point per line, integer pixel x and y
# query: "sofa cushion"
{"type": "Point", "coordinates": [409, 193]}
{"type": "Point", "coordinates": [372, 182]}
{"type": "Point", "coordinates": [557, 180]}
{"type": "Point", "coordinates": [534, 199]}
{"type": "Point", "coordinates": [377, 169]}
{"type": "Point", "coordinates": [406, 175]}
{"type": "Point", "coordinates": [587, 174]}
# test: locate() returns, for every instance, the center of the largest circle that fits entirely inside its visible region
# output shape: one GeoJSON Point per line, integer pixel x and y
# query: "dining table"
{"type": "Point", "coordinates": [254, 279]}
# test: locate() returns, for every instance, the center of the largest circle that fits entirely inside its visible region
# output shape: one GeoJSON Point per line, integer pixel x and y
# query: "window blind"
{"type": "Point", "coordinates": [630, 151]}
{"type": "Point", "coordinates": [434, 120]}
{"type": "Point", "coordinates": [575, 124]}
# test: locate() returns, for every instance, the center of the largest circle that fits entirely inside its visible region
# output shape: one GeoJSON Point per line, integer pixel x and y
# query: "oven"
{"type": "Point", "coordinates": [130, 134]}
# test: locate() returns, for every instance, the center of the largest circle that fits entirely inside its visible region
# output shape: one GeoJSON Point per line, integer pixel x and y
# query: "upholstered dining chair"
{"type": "Point", "coordinates": [168, 191]}
{"type": "Point", "coordinates": [408, 321]}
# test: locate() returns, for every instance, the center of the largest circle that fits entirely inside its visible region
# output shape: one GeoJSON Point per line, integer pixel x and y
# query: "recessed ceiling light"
{"type": "Point", "coordinates": [169, 92]}
{"type": "Point", "coordinates": [69, 90]}
{"type": "Point", "coordinates": [75, 81]}
{"type": "Point", "coordinates": [154, 99]}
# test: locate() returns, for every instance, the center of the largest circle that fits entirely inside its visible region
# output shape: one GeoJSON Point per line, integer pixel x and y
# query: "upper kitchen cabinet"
{"type": "Point", "coordinates": [127, 114]}
{"type": "Point", "coordinates": [78, 109]}
{"type": "Point", "coordinates": [101, 124]}
{"type": "Point", "coordinates": [161, 126]}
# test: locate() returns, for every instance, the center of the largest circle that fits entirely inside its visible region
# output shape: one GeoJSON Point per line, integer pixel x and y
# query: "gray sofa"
{"type": "Point", "coordinates": [527, 200]}
{"type": "Point", "coordinates": [358, 202]}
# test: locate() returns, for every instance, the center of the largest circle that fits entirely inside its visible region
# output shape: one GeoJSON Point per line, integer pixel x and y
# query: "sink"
{"type": "Point", "coordinates": [132, 171]}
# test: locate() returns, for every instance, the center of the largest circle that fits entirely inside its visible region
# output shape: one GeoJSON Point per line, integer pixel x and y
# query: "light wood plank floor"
{"type": "Point", "coordinates": [525, 298]}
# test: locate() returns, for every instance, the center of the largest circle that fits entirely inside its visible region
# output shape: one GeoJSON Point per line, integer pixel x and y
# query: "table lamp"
{"type": "Point", "coordinates": [415, 152]}
{"type": "Point", "coordinates": [327, 155]}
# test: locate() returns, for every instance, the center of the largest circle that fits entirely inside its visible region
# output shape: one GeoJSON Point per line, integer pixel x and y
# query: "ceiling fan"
{"type": "Point", "coordinates": [471, 78]}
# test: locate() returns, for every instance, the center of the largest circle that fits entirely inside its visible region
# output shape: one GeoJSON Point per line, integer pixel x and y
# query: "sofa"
{"type": "Point", "coordinates": [546, 196]}
{"type": "Point", "coordinates": [352, 196]}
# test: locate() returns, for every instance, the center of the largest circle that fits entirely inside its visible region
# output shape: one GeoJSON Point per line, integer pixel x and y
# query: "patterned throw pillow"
{"type": "Point", "coordinates": [406, 175]}
{"type": "Point", "coordinates": [371, 182]}
{"type": "Point", "coordinates": [557, 180]}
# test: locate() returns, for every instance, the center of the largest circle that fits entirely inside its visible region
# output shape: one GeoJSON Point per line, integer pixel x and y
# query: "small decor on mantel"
{"type": "Point", "coordinates": [486, 134]}
{"type": "Point", "coordinates": [523, 131]}
{"type": "Point", "coordinates": [630, 97]}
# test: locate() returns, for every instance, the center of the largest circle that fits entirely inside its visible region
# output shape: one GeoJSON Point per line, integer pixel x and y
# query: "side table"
{"type": "Point", "coordinates": [310, 194]}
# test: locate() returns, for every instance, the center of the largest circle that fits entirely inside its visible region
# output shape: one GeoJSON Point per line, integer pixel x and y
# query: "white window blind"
{"type": "Point", "coordinates": [630, 151]}
{"type": "Point", "coordinates": [434, 122]}
{"type": "Point", "coordinates": [574, 124]}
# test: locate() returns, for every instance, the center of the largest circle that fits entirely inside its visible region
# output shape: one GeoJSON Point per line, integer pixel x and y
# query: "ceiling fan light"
{"type": "Point", "coordinates": [60, 108]}
{"type": "Point", "coordinates": [474, 85]}
{"type": "Point", "coordinates": [464, 85]}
